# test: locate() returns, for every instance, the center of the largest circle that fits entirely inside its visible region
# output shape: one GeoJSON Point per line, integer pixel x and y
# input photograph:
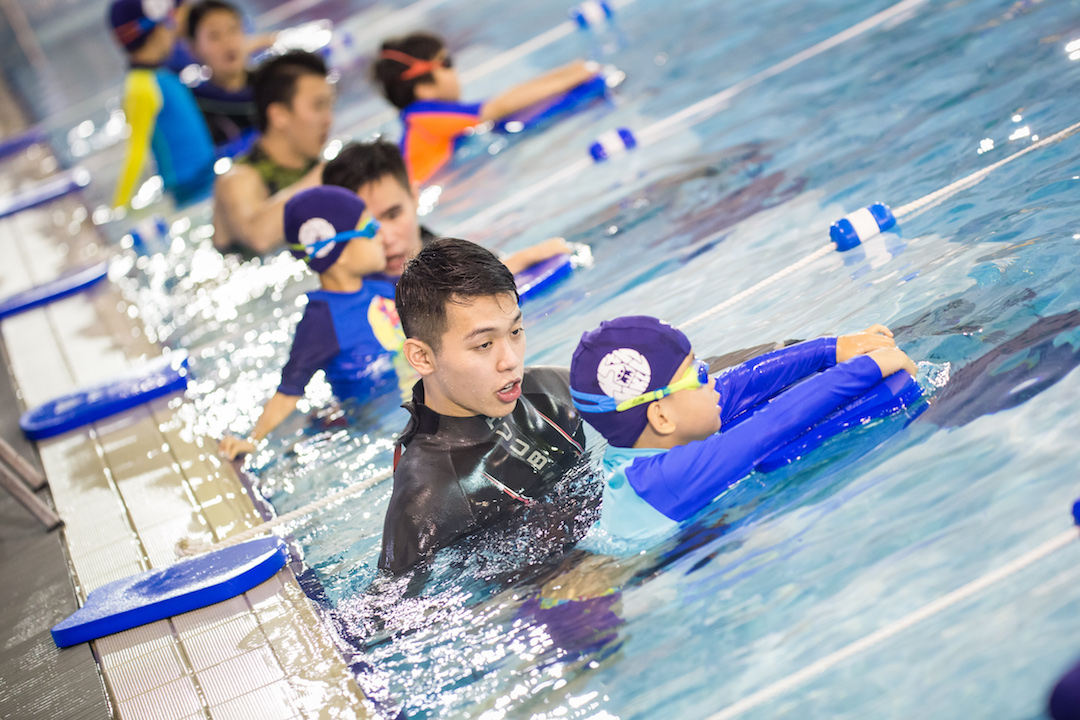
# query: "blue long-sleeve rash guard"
{"type": "Point", "coordinates": [649, 491]}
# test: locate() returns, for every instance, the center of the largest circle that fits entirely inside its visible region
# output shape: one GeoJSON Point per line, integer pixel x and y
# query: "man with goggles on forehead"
{"type": "Point", "coordinates": [637, 382]}
{"type": "Point", "coordinates": [350, 328]}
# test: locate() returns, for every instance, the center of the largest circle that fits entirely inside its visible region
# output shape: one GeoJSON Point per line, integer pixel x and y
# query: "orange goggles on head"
{"type": "Point", "coordinates": [415, 67]}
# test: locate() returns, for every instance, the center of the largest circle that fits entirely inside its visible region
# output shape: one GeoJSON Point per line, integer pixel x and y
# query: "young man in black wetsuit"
{"type": "Point", "coordinates": [487, 435]}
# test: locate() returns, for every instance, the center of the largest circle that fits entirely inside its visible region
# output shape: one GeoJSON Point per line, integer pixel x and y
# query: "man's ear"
{"type": "Point", "coordinates": [659, 420]}
{"type": "Point", "coordinates": [420, 356]}
{"type": "Point", "coordinates": [277, 115]}
{"type": "Point", "coordinates": [424, 91]}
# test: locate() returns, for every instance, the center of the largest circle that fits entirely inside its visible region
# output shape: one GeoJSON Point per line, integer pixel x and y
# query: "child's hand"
{"type": "Point", "coordinates": [231, 446]}
{"type": "Point", "coordinates": [872, 338]}
{"type": "Point", "coordinates": [892, 360]}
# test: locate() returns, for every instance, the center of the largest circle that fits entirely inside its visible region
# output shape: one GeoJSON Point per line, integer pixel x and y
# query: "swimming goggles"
{"type": "Point", "coordinates": [368, 230]}
{"type": "Point", "coordinates": [695, 376]}
{"type": "Point", "coordinates": [415, 67]}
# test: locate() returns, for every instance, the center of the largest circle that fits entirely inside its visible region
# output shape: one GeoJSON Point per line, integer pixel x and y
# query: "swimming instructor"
{"type": "Point", "coordinates": [487, 435]}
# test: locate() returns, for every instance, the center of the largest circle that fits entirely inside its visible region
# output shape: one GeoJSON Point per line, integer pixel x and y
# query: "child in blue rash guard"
{"type": "Point", "coordinates": [636, 381]}
{"type": "Point", "coordinates": [417, 76]}
{"type": "Point", "coordinates": [350, 328]}
{"type": "Point", "coordinates": [160, 110]}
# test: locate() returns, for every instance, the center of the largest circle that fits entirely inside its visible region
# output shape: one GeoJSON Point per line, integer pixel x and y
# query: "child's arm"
{"type": "Point", "coordinates": [685, 479]}
{"type": "Point", "coordinates": [533, 91]}
{"type": "Point", "coordinates": [274, 413]}
{"type": "Point", "coordinates": [314, 344]}
{"type": "Point", "coordinates": [245, 212]}
{"type": "Point", "coordinates": [536, 253]}
{"type": "Point", "coordinates": [142, 103]}
{"type": "Point", "coordinates": [753, 382]}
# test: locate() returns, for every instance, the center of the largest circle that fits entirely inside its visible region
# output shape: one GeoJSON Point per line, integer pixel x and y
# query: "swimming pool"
{"type": "Point", "coordinates": [786, 568]}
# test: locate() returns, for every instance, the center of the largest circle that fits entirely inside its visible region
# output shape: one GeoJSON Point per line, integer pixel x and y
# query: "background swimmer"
{"type": "Point", "coordinates": [349, 327]}
{"type": "Point", "coordinates": [416, 75]}
{"type": "Point", "coordinates": [294, 105]}
{"type": "Point", "coordinates": [375, 171]}
{"type": "Point", "coordinates": [160, 110]}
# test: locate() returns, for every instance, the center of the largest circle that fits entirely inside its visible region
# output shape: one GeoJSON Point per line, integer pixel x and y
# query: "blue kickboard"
{"type": "Point", "coordinates": [164, 592]}
{"type": "Point", "coordinates": [33, 136]}
{"type": "Point", "coordinates": [537, 278]}
{"type": "Point", "coordinates": [45, 191]}
{"type": "Point", "coordinates": [570, 101]}
{"type": "Point", "coordinates": [63, 286]}
{"type": "Point", "coordinates": [163, 376]}
{"type": "Point", "coordinates": [891, 395]}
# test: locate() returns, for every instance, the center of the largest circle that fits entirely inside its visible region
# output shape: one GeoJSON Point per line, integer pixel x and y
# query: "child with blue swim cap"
{"type": "Point", "coordinates": [637, 381]}
{"type": "Point", "coordinates": [350, 328]}
{"type": "Point", "coordinates": [161, 111]}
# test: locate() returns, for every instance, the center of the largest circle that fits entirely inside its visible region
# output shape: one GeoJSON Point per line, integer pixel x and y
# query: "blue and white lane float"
{"type": "Point", "coordinates": [61, 287]}
{"type": "Point", "coordinates": [160, 377]}
{"type": "Point", "coordinates": [157, 594]}
{"type": "Point", "coordinates": [592, 14]}
{"type": "Point", "coordinates": [45, 191]}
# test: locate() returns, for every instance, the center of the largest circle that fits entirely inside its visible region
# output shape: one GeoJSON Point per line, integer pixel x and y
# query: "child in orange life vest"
{"type": "Point", "coordinates": [417, 76]}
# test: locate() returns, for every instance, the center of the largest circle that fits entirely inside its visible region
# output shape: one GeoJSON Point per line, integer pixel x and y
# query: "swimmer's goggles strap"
{"type": "Point", "coordinates": [696, 375]}
{"type": "Point", "coordinates": [414, 67]}
{"type": "Point", "coordinates": [369, 230]}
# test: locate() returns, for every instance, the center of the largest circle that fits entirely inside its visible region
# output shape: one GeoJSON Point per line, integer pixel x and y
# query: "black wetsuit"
{"type": "Point", "coordinates": [458, 475]}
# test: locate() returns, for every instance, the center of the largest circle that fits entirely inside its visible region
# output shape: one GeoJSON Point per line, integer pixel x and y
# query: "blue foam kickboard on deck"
{"type": "Point", "coordinates": [157, 594]}
{"type": "Point", "coordinates": [537, 278]}
{"type": "Point", "coordinates": [33, 136]}
{"type": "Point", "coordinates": [160, 377]}
{"type": "Point", "coordinates": [570, 101]}
{"type": "Point", "coordinates": [54, 289]}
{"type": "Point", "coordinates": [45, 191]}
{"type": "Point", "coordinates": [894, 393]}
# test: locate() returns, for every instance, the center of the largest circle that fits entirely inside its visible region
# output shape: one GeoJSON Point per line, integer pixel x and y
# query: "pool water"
{"type": "Point", "coordinates": [785, 568]}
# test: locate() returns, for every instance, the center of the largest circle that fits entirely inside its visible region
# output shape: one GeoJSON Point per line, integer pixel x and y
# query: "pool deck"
{"type": "Point", "coordinates": [128, 488]}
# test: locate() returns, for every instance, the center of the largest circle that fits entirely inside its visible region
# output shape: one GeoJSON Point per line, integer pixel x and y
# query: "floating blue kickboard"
{"type": "Point", "coordinates": [54, 290]}
{"type": "Point", "coordinates": [570, 101]}
{"type": "Point", "coordinates": [160, 377]}
{"type": "Point", "coordinates": [157, 594]}
{"type": "Point", "coordinates": [45, 191]}
{"type": "Point", "coordinates": [894, 393]}
{"type": "Point", "coordinates": [537, 278]}
{"type": "Point", "coordinates": [13, 145]}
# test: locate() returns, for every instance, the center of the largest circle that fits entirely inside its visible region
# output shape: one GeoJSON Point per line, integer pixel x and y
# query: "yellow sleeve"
{"type": "Point", "coordinates": [142, 103]}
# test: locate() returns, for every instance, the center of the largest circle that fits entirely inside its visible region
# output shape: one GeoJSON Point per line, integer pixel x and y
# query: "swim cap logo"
{"type": "Point", "coordinates": [624, 374]}
{"type": "Point", "coordinates": [156, 10]}
{"type": "Point", "coordinates": [313, 232]}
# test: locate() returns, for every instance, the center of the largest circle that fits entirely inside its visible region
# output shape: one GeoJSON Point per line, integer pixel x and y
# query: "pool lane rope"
{"type": "Point", "coordinates": [927, 611]}
{"type": "Point", "coordinates": [682, 120]}
{"type": "Point", "coordinates": [909, 210]}
{"type": "Point", "coordinates": [191, 546]}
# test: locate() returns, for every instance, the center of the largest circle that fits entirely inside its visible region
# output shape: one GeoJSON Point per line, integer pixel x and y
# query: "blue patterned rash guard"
{"type": "Point", "coordinates": [355, 338]}
{"type": "Point", "coordinates": [649, 491]}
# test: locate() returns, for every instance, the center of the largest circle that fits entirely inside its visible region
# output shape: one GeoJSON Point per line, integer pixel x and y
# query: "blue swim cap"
{"type": "Point", "coordinates": [621, 359]}
{"type": "Point", "coordinates": [320, 220]}
{"type": "Point", "coordinates": [133, 20]}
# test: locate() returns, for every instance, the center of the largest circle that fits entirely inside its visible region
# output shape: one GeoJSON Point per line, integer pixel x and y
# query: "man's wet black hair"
{"type": "Point", "coordinates": [203, 8]}
{"type": "Point", "coordinates": [275, 80]}
{"type": "Point", "coordinates": [387, 73]}
{"type": "Point", "coordinates": [448, 270]}
{"type": "Point", "coordinates": [360, 163]}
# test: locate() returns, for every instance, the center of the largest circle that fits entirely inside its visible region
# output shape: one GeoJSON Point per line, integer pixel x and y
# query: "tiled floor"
{"type": "Point", "coordinates": [129, 487]}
